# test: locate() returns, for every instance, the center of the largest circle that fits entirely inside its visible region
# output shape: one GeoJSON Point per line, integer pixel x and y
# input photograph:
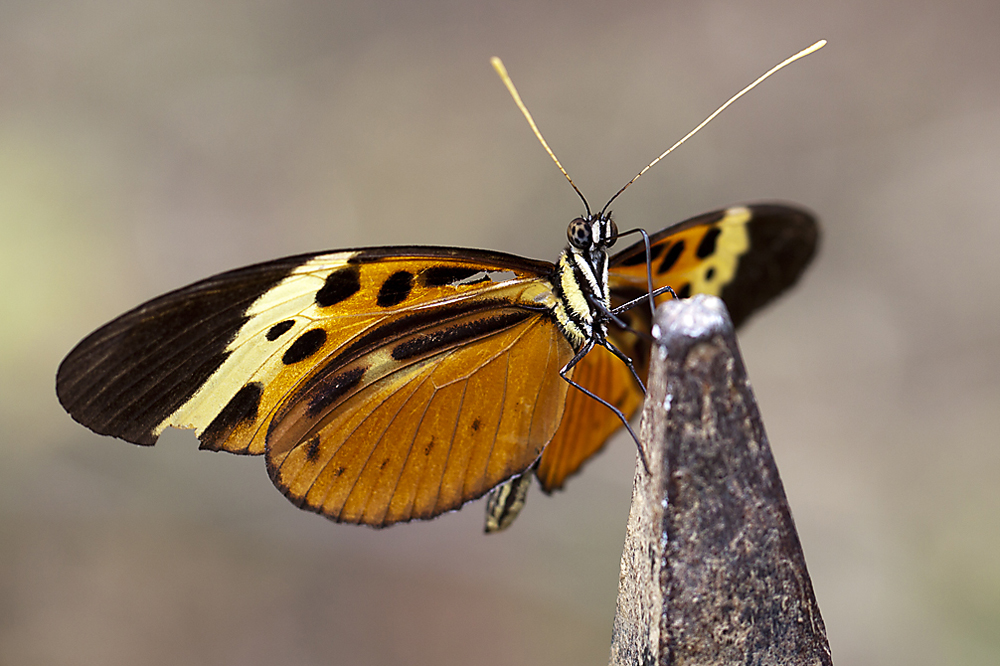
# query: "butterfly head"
{"type": "Point", "coordinates": [593, 233]}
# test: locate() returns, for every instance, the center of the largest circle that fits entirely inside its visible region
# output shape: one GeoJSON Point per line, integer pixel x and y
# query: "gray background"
{"type": "Point", "coordinates": [145, 145]}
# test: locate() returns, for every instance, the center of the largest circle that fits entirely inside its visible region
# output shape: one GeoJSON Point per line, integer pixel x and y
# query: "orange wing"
{"type": "Point", "coordinates": [450, 419]}
{"type": "Point", "coordinates": [747, 255]}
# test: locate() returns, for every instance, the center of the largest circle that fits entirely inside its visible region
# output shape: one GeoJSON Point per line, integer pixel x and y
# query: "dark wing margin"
{"type": "Point", "coordinates": [127, 377]}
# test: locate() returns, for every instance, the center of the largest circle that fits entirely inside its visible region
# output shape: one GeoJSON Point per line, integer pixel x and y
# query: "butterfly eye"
{"type": "Point", "coordinates": [612, 233]}
{"type": "Point", "coordinates": [579, 234]}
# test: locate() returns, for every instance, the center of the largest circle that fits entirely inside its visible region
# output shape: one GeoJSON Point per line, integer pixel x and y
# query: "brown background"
{"type": "Point", "coordinates": [144, 145]}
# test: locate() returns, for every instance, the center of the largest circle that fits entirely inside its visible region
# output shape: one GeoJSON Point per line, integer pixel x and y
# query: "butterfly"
{"type": "Point", "coordinates": [392, 383]}
{"type": "Point", "coordinates": [387, 384]}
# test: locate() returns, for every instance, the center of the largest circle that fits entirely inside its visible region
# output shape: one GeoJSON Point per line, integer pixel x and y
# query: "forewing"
{"type": "Point", "coordinates": [218, 356]}
{"type": "Point", "coordinates": [747, 255]}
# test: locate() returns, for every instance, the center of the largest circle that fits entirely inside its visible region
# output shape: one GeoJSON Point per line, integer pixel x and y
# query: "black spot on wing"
{"type": "Point", "coordinates": [400, 327]}
{"type": "Point", "coordinates": [706, 248]}
{"type": "Point", "coordinates": [671, 257]}
{"type": "Point", "coordinates": [395, 290]}
{"type": "Point", "coordinates": [242, 407]}
{"type": "Point", "coordinates": [340, 285]}
{"type": "Point", "coordinates": [436, 276]}
{"type": "Point", "coordinates": [307, 344]}
{"type": "Point", "coordinates": [661, 239]}
{"type": "Point", "coordinates": [684, 291]}
{"type": "Point", "coordinates": [710, 273]}
{"type": "Point", "coordinates": [279, 329]}
{"type": "Point", "coordinates": [640, 256]}
{"type": "Point", "coordinates": [312, 449]}
{"type": "Point", "coordinates": [428, 343]}
{"type": "Point", "coordinates": [128, 376]}
{"type": "Point", "coordinates": [330, 389]}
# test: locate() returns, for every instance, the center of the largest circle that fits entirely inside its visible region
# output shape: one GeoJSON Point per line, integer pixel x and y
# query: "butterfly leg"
{"type": "Point", "coordinates": [596, 303]}
{"type": "Point", "coordinates": [623, 357]}
{"type": "Point", "coordinates": [649, 269]}
{"type": "Point", "coordinates": [636, 301]}
{"type": "Point", "coordinates": [569, 366]}
{"type": "Point", "coordinates": [608, 314]}
{"type": "Point", "coordinates": [611, 348]}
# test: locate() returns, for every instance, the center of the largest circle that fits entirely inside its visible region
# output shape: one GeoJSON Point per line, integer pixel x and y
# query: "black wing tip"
{"type": "Point", "coordinates": [792, 218]}
{"type": "Point", "coordinates": [73, 391]}
{"type": "Point", "coordinates": [784, 239]}
{"type": "Point", "coordinates": [130, 374]}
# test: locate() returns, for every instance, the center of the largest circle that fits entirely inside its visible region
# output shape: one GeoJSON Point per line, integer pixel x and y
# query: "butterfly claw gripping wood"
{"type": "Point", "coordinates": [712, 571]}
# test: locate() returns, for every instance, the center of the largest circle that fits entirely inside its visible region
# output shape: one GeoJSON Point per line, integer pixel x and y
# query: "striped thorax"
{"type": "Point", "coordinates": [581, 278]}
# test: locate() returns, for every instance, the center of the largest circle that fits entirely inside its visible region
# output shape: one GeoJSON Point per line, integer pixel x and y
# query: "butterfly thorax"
{"type": "Point", "coordinates": [580, 280]}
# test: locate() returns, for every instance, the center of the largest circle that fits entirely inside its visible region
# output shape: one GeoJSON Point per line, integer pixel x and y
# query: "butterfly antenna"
{"type": "Point", "coordinates": [801, 54]}
{"type": "Point", "coordinates": [502, 72]}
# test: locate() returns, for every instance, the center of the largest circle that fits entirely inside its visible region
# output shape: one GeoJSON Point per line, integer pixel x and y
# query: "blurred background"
{"type": "Point", "coordinates": [144, 145]}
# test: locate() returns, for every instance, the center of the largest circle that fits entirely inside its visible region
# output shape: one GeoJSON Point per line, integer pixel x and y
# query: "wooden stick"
{"type": "Point", "coordinates": [712, 571]}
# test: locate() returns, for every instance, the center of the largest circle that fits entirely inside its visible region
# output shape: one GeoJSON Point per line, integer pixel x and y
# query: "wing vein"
{"type": "Point", "coordinates": [534, 407]}
{"type": "Point", "coordinates": [503, 401]}
{"type": "Point", "coordinates": [451, 444]}
{"type": "Point", "coordinates": [371, 452]}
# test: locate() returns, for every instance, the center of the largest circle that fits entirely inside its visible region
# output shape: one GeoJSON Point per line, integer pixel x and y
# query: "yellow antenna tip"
{"type": "Point", "coordinates": [787, 61]}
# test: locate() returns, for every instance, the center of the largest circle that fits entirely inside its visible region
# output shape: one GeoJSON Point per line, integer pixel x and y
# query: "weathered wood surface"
{"type": "Point", "coordinates": [712, 571]}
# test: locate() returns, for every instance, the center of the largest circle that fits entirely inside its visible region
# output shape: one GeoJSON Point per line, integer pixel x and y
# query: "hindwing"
{"type": "Point", "coordinates": [419, 427]}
